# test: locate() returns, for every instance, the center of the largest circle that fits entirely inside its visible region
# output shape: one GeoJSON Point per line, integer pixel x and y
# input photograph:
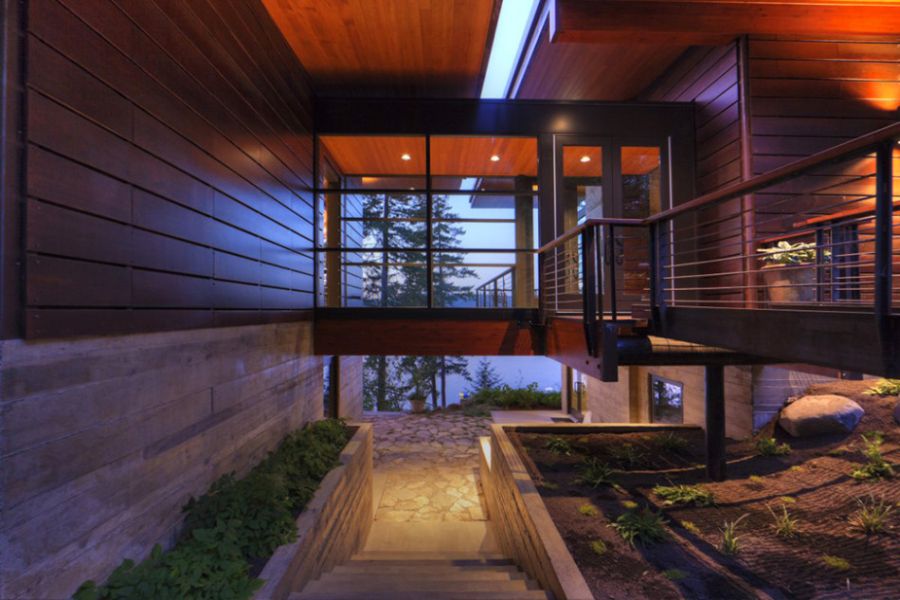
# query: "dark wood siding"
{"type": "Point", "coordinates": [169, 168]}
{"type": "Point", "coordinates": [809, 95]}
{"type": "Point", "coordinates": [709, 77]}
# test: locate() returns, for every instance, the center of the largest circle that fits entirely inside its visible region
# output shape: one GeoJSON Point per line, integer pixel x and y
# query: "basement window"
{"type": "Point", "coordinates": [666, 400]}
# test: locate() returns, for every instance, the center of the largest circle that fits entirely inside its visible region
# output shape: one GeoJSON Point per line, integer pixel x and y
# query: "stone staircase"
{"type": "Point", "coordinates": [386, 575]}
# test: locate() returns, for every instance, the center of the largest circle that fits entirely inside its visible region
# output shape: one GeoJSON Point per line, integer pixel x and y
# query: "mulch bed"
{"type": "Point", "coordinates": [812, 481]}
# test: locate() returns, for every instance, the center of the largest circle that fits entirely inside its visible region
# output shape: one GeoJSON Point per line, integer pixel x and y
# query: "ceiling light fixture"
{"type": "Point", "coordinates": [585, 158]}
{"type": "Point", "coordinates": [495, 158]}
{"type": "Point", "coordinates": [405, 156]}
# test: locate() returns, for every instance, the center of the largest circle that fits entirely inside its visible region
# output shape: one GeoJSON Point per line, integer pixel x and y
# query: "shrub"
{"type": "Point", "coordinates": [508, 397]}
{"type": "Point", "coordinates": [770, 447]}
{"type": "Point", "coordinates": [685, 494]}
{"type": "Point", "coordinates": [238, 521]}
{"type": "Point", "coordinates": [599, 547]}
{"type": "Point", "coordinates": [884, 387]}
{"type": "Point", "coordinates": [588, 510]}
{"type": "Point", "coordinates": [836, 562]}
{"type": "Point", "coordinates": [558, 445]}
{"type": "Point", "coordinates": [785, 525]}
{"type": "Point", "coordinates": [642, 527]}
{"type": "Point", "coordinates": [876, 466]}
{"type": "Point", "coordinates": [730, 538]}
{"type": "Point", "coordinates": [595, 473]}
{"type": "Point", "coordinates": [872, 516]}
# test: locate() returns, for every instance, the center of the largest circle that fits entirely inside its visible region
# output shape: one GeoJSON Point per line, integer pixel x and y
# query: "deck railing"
{"type": "Point", "coordinates": [814, 235]}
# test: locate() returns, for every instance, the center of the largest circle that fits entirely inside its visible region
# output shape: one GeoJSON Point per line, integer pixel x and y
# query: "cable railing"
{"type": "Point", "coordinates": [497, 292]}
{"type": "Point", "coordinates": [814, 235]}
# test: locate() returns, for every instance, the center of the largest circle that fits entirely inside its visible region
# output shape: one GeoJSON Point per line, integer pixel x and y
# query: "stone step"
{"type": "Point", "coordinates": [377, 576]}
{"type": "Point", "coordinates": [340, 584]}
{"type": "Point", "coordinates": [425, 557]}
{"type": "Point", "coordinates": [411, 570]}
{"type": "Point", "coordinates": [404, 595]}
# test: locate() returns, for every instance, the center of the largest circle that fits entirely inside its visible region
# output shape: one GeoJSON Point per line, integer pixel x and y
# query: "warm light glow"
{"type": "Point", "coordinates": [585, 158]}
{"type": "Point", "coordinates": [495, 158]}
{"type": "Point", "coordinates": [534, 187]}
{"type": "Point", "coordinates": [405, 156]}
{"type": "Point", "coordinates": [369, 180]}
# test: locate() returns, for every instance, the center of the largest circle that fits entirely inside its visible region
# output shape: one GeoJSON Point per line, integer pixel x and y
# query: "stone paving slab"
{"type": "Point", "coordinates": [430, 467]}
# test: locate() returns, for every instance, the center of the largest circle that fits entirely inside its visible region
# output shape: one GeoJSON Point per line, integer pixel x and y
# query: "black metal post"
{"type": "Point", "coordinates": [429, 258]}
{"type": "Point", "coordinates": [589, 288]}
{"type": "Point", "coordinates": [884, 223]}
{"type": "Point", "coordinates": [612, 273]}
{"type": "Point", "coordinates": [715, 422]}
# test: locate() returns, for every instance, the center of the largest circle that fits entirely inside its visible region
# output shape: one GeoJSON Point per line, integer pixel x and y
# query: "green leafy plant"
{"type": "Point", "coordinates": [588, 510]}
{"type": "Point", "coordinates": [876, 467]}
{"type": "Point", "coordinates": [872, 516]}
{"type": "Point", "coordinates": [627, 455]}
{"type": "Point", "coordinates": [599, 547]}
{"type": "Point", "coordinates": [558, 445]}
{"type": "Point", "coordinates": [786, 253]}
{"type": "Point", "coordinates": [691, 527]}
{"type": "Point", "coordinates": [730, 538]}
{"type": "Point", "coordinates": [770, 447]}
{"type": "Point", "coordinates": [629, 504]}
{"type": "Point", "coordinates": [788, 499]}
{"type": "Point", "coordinates": [641, 527]}
{"type": "Point", "coordinates": [884, 387]}
{"type": "Point", "coordinates": [836, 562]}
{"type": "Point", "coordinates": [696, 495]}
{"type": "Point", "coordinates": [595, 473]}
{"type": "Point", "coordinates": [757, 479]}
{"type": "Point", "coordinates": [669, 442]}
{"type": "Point", "coordinates": [785, 525]}
{"type": "Point", "coordinates": [506, 397]}
{"type": "Point", "coordinates": [237, 522]}
{"type": "Point", "coordinates": [674, 574]}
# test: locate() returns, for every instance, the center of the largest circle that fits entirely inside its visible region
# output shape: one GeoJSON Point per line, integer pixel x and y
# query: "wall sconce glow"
{"type": "Point", "coordinates": [405, 156]}
{"type": "Point", "coordinates": [495, 158]}
{"type": "Point", "coordinates": [585, 159]}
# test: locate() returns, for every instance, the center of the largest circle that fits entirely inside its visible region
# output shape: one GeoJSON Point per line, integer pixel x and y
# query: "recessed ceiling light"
{"type": "Point", "coordinates": [405, 156]}
{"type": "Point", "coordinates": [585, 158]}
{"type": "Point", "coordinates": [495, 158]}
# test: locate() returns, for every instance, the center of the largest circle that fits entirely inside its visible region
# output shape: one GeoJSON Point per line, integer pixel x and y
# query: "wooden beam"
{"type": "Point", "coordinates": [698, 22]}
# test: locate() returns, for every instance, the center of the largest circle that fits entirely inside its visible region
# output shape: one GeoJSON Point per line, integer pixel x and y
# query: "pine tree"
{"type": "Point", "coordinates": [485, 377]}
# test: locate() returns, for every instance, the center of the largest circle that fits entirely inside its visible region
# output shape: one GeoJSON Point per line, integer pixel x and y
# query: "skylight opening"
{"type": "Point", "coordinates": [509, 38]}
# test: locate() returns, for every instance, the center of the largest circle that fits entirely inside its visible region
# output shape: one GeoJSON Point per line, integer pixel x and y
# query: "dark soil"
{"type": "Point", "coordinates": [813, 482]}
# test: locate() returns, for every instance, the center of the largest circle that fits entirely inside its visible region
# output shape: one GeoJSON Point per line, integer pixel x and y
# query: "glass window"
{"type": "Point", "coordinates": [666, 400]}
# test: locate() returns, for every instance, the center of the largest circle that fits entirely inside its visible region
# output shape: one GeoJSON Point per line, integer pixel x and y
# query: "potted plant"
{"type": "Point", "coordinates": [784, 274]}
{"type": "Point", "coordinates": [417, 398]}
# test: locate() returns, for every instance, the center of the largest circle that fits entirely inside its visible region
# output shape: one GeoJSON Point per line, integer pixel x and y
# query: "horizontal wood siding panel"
{"type": "Point", "coordinates": [808, 95]}
{"type": "Point", "coordinates": [170, 149]}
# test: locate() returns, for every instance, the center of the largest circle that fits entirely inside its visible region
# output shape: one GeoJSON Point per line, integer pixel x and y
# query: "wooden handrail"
{"type": "Point", "coordinates": [568, 235]}
{"type": "Point", "coordinates": [835, 153]}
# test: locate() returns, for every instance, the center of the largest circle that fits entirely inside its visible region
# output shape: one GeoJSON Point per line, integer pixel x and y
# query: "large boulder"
{"type": "Point", "coordinates": [817, 415]}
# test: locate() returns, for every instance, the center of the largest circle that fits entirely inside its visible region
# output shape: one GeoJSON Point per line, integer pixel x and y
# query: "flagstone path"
{"type": "Point", "coordinates": [426, 467]}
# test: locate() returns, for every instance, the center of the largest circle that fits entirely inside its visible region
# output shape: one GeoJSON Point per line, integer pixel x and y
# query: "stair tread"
{"type": "Point", "coordinates": [407, 570]}
{"type": "Point", "coordinates": [400, 556]}
{"type": "Point", "coordinates": [331, 584]}
{"type": "Point", "coordinates": [474, 575]}
{"type": "Point", "coordinates": [404, 595]}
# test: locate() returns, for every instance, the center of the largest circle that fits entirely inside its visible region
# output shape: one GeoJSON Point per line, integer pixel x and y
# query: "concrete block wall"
{"type": "Point", "coordinates": [103, 440]}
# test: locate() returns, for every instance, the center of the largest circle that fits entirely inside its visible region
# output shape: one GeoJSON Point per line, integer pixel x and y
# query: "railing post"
{"type": "Point", "coordinates": [589, 288]}
{"type": "Point", "coordinates": [884, 225]}
{"type": "Point", "coordinates": [659, 253]}
{"type": "Point", "coordinates": [611, 249]}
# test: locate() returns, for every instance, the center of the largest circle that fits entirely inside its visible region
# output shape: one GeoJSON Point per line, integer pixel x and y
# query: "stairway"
{"type": "Point", "coordinates": [416, 575]}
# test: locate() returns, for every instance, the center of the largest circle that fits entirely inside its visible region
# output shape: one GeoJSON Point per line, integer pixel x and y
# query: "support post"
{"type": "Point", "coordinates": [884, 245]}
{"type": "Point", "coordinates": [589, 288]}
{"type": "Point", "coordinates": [715, 422]}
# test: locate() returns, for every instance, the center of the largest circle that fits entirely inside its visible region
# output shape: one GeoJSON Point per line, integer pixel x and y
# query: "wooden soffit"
{"type": "Point", "coordinates": [699, 22]}
{"type": "Point", "coordinates": [436, 48]}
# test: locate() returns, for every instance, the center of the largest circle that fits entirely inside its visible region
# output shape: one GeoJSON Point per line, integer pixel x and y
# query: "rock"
{"type": "Point", "coordinates": [817, 415]}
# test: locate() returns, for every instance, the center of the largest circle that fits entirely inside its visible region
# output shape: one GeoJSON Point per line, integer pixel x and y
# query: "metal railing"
{"type": "Point", "coordinates": [498, 291]}
{"type": "Point", "coordinates": [814, 235]}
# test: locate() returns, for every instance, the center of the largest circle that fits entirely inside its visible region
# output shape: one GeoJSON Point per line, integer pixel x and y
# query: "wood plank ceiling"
{"type": "Point", "coordinates": [432, 48]}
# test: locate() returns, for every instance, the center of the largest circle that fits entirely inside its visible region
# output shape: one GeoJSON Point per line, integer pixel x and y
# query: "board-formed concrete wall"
{"type": "Point", "coordinates": [350, 391]}
{"type": "Point", "coordinates": [103, 440]}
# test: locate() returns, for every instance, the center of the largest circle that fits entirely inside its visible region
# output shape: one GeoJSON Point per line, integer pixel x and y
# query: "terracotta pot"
{"type": "Point", "coordinates": [418, 405]}
{"type": "Point", "coordinates": [790, 283]}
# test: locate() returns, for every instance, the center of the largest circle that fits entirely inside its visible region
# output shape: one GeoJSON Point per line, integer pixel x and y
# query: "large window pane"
{"type": "Point", "coordinates": [484, 279]}
{"type": "Point", "coordinates": [387, 279]}
{"type": "Point", "coordinates": [484, 163]}
{"type": "Point", "coordinates": [484, 222]}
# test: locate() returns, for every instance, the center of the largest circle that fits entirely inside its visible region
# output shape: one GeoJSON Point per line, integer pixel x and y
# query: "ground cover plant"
{"type": "Point", "coordinates": [505, 397]}
{"type": "Point", "coordinates": [770, 447]}
{"type": "Point", "coordinates": [812, 530]}
{"type": "Point", "coordinates": [641, 527]}
{"type": "Point", "coordinates": [230, 531]}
